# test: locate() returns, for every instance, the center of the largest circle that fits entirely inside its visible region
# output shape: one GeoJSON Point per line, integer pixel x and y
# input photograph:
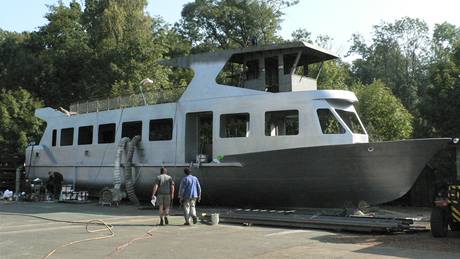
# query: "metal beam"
{"type": "Point", "coordinates": [315, 221]}
{"type": "Point", "coordinates": [294, 66]}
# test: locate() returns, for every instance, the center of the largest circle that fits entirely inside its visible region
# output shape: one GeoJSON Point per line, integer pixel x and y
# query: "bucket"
{"type": "Point", "coordinates": [214, 218]}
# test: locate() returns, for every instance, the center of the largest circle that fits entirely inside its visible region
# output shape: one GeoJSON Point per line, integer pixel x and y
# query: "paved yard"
{"type": "Point", "coordinates": [136, 235]}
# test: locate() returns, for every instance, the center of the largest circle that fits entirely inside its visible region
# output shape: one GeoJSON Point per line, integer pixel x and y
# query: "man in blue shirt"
{"type": "Point", "coordinates": [189, 193]}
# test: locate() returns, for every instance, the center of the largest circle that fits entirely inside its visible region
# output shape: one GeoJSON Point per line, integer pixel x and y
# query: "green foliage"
{"type": "Point", "coordinates": [301, 34]}
{"type": "Point", "coordinates": [19, 126]}
{"type": "Point", "coordinates": [441, 104]}
{"type": "Point", "coordinates": [334, 75]}
{"type": "Point", "coordinates": [176, 45]}
{"type": "Point", "coordinates": [107, 48]}
{"type": "Point", "coordinates": [382, 114]}
{"type": "Point", "coordinates": [398, 56]}
{"type": "Point", "coordinates": [19, 61]}
{"type": "Point", "coordinates": [121, 34]}
{"type": "Point", "coordinates": [445, 36]}
{"type": "Point", "coordinates": [210, 24]}
{"type": "Point", "coordinates": [64, 52]}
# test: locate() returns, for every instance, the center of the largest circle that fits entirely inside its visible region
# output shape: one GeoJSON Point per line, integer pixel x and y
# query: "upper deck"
{"type": "Point", "coordinates": [228, 73]}
{"type": "Point", "coordinates": [271, 68]}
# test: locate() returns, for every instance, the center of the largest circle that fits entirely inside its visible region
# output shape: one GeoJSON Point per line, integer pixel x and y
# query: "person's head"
{"type": "Point", "coordinates": [163, 170]}
{"type": "Point", "coordinates": [50, 173]}
{"type": "Point", "coordinates": [187, 171]}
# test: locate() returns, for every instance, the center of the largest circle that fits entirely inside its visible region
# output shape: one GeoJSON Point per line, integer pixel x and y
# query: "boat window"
{"type": "Point", "coordinates": [329, 123]}
{"type": "Point", "coordinates": [282, 123]}
{"type": "Point", "coordinates": [53, 139]}
{"type": "Point", "coordinates": [160, 129]}
{"type": "Point", "coordinates": [352, 121]}
{"type": "Point", "coordinates": [106, 133]}
{"type": "Point", "coordinates": [234, 125]}
{"type": "Point", "coordinates": [131, 129]}
{"type": "Point", "coordinates": [288, 62]}
{"type": "Point", "coordinates": [85, 135]}
{"type": "Point", "coordinates": [237, 73]}
{"type": "Point", "coordinates": [301, 69]}
{"type": "Point", "coordinates": [252, 71]}
{"type": "Point", "coordinates": [67, 137]}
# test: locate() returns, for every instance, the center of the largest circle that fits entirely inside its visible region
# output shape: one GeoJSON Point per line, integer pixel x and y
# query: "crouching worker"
{"type": "Point", "coordinates": [164, 185]}
{"type": "Point", "coordinates": [189, 194]}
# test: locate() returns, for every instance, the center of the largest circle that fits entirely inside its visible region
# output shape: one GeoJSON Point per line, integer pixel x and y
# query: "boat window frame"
{"type": "Point", "coordinates": [171, 133]}
{"type": "Point", "coordinates": [79, 142]}
{"type": "Point", "coordinates": [248, 127]}
{"type": "Point", "coordinates": [337, 119]}
{"type": "Point", "coordinates": [281, 111]}
{"type": "Point", "coordinates": [351, 129]}
{"type": "Point", "coordinates": [131, 124]}
{"type": "Point", "coordinates": [99, 133]}
{"type": "Point", "coordinates": [63, 133]}
{"type": "Point", "coordinates": [54, 137]}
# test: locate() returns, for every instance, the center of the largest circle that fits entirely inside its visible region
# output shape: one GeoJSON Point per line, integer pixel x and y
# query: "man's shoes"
{"type": "Point", "coordinates": [195, 220]}
{"type": "Point", "coordinates": [161, 222]}
{"type": "Point", "coordinates": [166, 221]}
{"type": "Point", "coordinates": [186, 224]}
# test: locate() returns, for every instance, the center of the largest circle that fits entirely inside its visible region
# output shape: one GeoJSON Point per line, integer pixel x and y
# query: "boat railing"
{"type": "Point", "coordinates": [113, 103]}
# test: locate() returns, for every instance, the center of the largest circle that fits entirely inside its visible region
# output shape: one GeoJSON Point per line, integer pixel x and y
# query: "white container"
{"type": "Point", "coordinates": [214, 218]}
{"type": "Point", "coordinates": [201, 158]}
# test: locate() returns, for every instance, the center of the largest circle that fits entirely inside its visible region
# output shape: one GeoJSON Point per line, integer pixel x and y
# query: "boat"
{"type": "Point", "coordinates": [251, 124]}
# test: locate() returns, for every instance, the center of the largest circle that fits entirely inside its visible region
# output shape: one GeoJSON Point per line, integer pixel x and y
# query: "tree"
{"type": "Point", "coordinates": [19, 62]}
{"type": "Point", "coordinates": [382, 114]}
{"type": "Point", "coordinates": [301, 34]}
{"type": "Point", "coordinates": [441, 104]}
{"type": "Point", "coordinates": [19, 125]}
{"type": "Point", "coordinates": [445, 36]}
{"type": "Point", "coordinates": [63, 48]}
{"type": "Point", "coordinates": [121, 34]}
{"type": "Point", "coordinates": [398, 56]}
{"type": "Point", "coordinates": [225, 24]}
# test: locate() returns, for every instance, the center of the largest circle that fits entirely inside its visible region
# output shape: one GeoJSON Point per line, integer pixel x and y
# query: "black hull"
{"type": "Point", "coordinates": [326, 176]}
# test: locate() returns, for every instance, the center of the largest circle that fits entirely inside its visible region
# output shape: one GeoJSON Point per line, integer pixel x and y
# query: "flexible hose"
{"type": "Point", "coordinates": [128, 170]}
{"type": "Point", "coordinates": [76, 222]}
{"type": "Point", "coordinates": [117, 167]}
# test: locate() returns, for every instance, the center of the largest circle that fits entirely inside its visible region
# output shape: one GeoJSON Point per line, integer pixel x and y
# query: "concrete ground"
{"type": "Point", "coordinates": [136, 235]}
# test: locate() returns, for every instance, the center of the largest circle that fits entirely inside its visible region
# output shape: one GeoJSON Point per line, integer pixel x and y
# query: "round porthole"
{"type": "Point", "coordinates": [370, 149]}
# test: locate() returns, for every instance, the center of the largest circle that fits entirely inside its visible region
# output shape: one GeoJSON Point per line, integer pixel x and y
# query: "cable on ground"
{"type": "Point", "coordinates": [108, 227]}
{"type": "Point", "coordinates": [122, 247]}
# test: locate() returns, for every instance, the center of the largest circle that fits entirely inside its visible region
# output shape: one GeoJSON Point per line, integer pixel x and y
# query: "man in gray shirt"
{"type": "Point", "coordinates": [164, 185]}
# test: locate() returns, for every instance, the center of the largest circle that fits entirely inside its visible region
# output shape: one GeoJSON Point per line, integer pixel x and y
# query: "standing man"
{"type": "Point", "coordinates": [164, 184]}
{"type": "Point", "coordinates": [58, 179]}
{"type": "Point", "coordinates": [189, 193]}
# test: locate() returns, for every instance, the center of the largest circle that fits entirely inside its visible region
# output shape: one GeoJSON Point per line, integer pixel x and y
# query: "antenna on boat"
{"type": "Point", "coordinates": [146, 81]}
